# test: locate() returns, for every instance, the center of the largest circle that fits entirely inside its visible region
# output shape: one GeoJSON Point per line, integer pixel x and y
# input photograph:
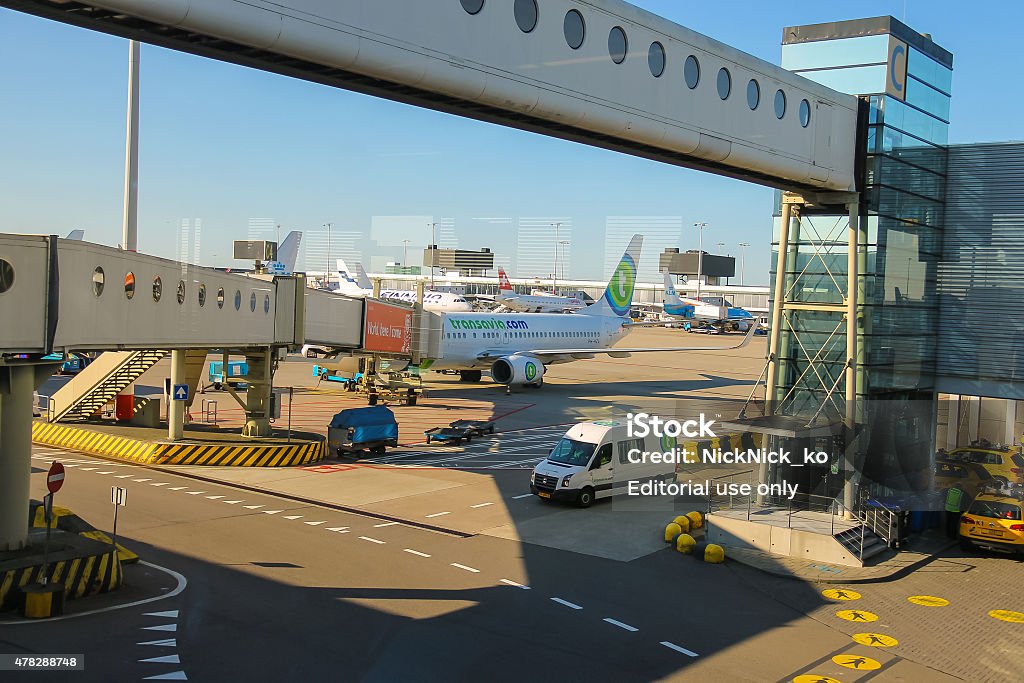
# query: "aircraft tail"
{"type": "Point", "coordinates": [503, 283]}
{"type": "Point", "coordinates": [671, 296]}
{"type": "Point", "coordinates": [362, 279]}
{"type": "Point", "coordinates": [618, 295]}
{"type": "Point", "coordinates": [347, 283]}
{"type": "Point", "coordinates": [288, 251]}
{"type": "Point", "coordinates": [77, 235]}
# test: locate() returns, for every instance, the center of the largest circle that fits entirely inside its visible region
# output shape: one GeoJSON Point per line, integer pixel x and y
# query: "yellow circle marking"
{"type": "Point", "coordinates": [875, 640]}
{"type": "Point", "coordinates": [928, 600]}
{"type": "Point", "coordinates": [856, 615]}
{"type": "Point", "coordinates": [840, 594]}
{"type": "Point", "coordinates": [1007, 615]}
{"type": "Point", "coordinates": [814, 678]}
{"type": "Point", "coordinates": [857, 662]}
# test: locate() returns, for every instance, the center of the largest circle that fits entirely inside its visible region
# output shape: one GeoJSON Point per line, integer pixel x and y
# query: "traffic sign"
{"type": "Point", "coordinates": [55, 477]}
{"type": "Point", "coordinates": [180, 392]}
{"type": "Point", "coordinates": [119, 496]}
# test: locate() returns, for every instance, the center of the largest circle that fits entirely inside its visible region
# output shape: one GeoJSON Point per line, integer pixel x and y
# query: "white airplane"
{"type": "Point", "coordinates": [712, 310]}
{"type": "Point", "coordinates": [533, 303]}
{"type": "Point", "coordinates": [287, 255]}
{"type": "Point", "coordinates": [359, 286]}
{"type": "Point", "coordinates": [516, 349]}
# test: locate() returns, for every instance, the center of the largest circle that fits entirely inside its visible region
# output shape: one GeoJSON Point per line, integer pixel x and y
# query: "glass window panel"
{"type": "Point", "coordinates": [923, 67]}
{"type": "Point", "coordinates": [915, 122]}
{"type": "Point", "coordinates": [858, 80]}
{"type": "Point", "coordinates": [842, 52]}
{"type": "Point", "coordinates": [928, 98]}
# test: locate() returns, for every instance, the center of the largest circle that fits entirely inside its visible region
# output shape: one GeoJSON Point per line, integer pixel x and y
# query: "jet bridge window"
{"type": "Point", "coordinates": [617, 44]}
{"type": "Point", "coordinates": [158, 288]}
{"type": "Point", "coordinates": [724, 83]}
{"type": "Point", "coordinates": [753, 94]}
{"type": "Point", "coordinates": [526, 14]}
{"type": "Point", "coordinates": [805, 113]}
{"type": "Point", "coordinates": [574, 28]}
{"type": "Point", "coordinates": [691, 72]}
{"type": "Point", "coordinates": [98, 280]}
{"type": "Point", "coordinates": [129, 285]}
{"type": "Point", "coordinates": [472, 6]}
{"type": "Point", "coordinates": [220, 297]}
{"type": "Point", "coordinates": [780, 104]}
{"type": "Point", "coordinates": [656, 59]}
{"type": "Point", "coordinates": [202, 295]}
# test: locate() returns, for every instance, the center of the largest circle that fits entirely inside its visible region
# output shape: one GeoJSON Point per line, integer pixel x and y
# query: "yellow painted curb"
{"type": "Point", "coordinates": [155, 453]}
{"type": "Point", "coordinates": [81, 576]}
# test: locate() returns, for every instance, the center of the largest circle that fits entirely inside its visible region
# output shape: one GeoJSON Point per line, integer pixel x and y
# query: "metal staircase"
{"type": "Point", "coordinates": [861, 542]}
{"type": "Point", "coordinates": [99, 383]}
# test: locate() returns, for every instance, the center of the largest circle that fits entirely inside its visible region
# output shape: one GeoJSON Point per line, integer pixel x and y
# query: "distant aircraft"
{"type": "Point", "coordinates": [358, 285]}
{"type": "Point", "coordinates": [287, 255]}
{"type": "Point", "coordinates": [516, 349]}
{"type": "Point", "coordinates": [533, 303]}
{"type": "Point", "coordinates": [714, 311]}
{"type": "Point", "coordinates": [77, 235]}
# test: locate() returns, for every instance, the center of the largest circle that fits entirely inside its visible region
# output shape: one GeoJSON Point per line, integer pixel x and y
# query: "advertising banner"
{"type": "Point", "coordinates": [388, 328]}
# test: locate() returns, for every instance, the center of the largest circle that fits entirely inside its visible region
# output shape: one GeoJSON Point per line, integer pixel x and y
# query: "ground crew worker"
{"type": "Point", "coordinates": [954, 498]}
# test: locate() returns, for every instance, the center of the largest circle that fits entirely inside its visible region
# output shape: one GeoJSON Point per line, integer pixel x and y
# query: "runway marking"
{"type": "Point", "coordinates": [525, 495]}
{"type": "Point", "coordinates": [215, 497]}
{"type": "Point", "coordinates": [291, 517]}
{"type": "Point", "coordinates": [339, 529]}
{"type": "Point", "coordinates": [107, 472]}
{"type": "Point", "coordinates": [166, 659]}
{"type": "Point", "coordinates": [510, 582]}
{"type": "Point", "coordinates": [173, 676]}
{"type": "Point", "coordinates": [560, 601]}
{"type": "Point", "coordinates": [89, 469]}
{"type": "Point", "coordinates": [176, 488]}
{"type": "Point", "coordinates": [616, 622]}
{"type": "Point", "coordinates": [415, 552]}
{"type": "Point", "coordinates": [468, 569]}
{"type": "Point", "coordinates": [372, 540]}
{"type": "Point", "coordinates": [677, 648]}
{"type": "Point", "coordinates": [137, 481]}
{"type": "Point", "coordinates": [195, 493]}
{"type": "Point", "coordinates": [232, 502]}
{"type": "Point", "coordinates": [481, 505]}
{"type": "Point", "coordinates": [269, 512]}
{"type": "Point", "coordinates": [253, 507]}
{"type": "Point", "coordinates": [159, 483]}
{"type": "Point", "coordinates": [169, 642]}
{"type": "Point", "coordinates": [74, 465]}
{"type": "Point", "coordinates": [438, 514]}
{"type": "Point", "coordinates": [322, 521]}
{"type": "Point", "coordinates": [161, 627]}
{"type": "Point", "coordinates": [120, 476]}
{"type": "Point", "coordinates": [169, 614]}
{"type": "Point", "coordinates": [377, 526]}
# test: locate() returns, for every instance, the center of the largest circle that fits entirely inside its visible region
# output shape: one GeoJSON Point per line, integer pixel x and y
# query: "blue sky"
{"type": "Point", "coordinates": [224, 143]}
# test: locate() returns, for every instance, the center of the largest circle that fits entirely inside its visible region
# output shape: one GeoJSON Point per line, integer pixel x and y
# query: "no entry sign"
{"type": "Point", "coordinates": [55, 477]}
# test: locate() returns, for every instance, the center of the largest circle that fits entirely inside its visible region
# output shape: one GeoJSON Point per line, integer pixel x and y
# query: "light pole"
{"type": "Point", "coordinates": [327, 273]}
{"type": "Point", "coordinates": [554, 268]}
{"type": "Point", "coordinates": [433, 251]}
{"type": "Point", "coordinates": [700, 253]}
{"type": "Point", "coordinates": [743, 254]}
{"type": "Point", "coordinates": [565, 244]}
{"type": "Point", "coordinates": [720, 245]}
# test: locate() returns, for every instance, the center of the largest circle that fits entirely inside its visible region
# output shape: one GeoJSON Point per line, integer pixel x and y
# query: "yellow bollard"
{"type": "Point", "coordinates": [715, 554]}
{"type": "Point", "coordinates": [685, 543]}
{"type": "Point", "coordinates": [683, 521]}
{"type": "Point", "coordinates": [671, 531]}
{"type": "Point", "coordinates": [696, 520]}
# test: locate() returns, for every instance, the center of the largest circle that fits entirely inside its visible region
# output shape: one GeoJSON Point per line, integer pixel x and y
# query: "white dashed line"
{"type": "Point", "coordinates": [525, 495]}
{"type": "Point", "coordinates": [372, 540]}
{"type": "Point", "coordinates": [415, 552]}
{"type": "Point", "coordinates": [195, 493]}
{"type": "Point", "coordinates": [560, 601]}
{"type": "Point", "coordinates": [616, 622]}
{"type": "Point", "coordinates": [462, 566]}
{"type": "Point", "coordinates": [88, 469]}
{"type": "Point", "coordinates": [169, 614]}
{"type": "Point", "coordinates": [174, 488]}
{"type": "Point", "coordinates": [173, 676]}
{"type": "Point", "coordinates": [161, 627]}
{"type": "Point", "coordinates": [159, 483]}
{"type": "Point", "coordinates": [339, 529]}
{"type": "Point", "coordinates": [323, 521]}
{"type": "Point", "coordinates": [377, 526]}
{"type": "Point", "coordinates": [291, 517]}
{"type": "Point", "coordinates": [166, 659]}
{"type": "Point", "coordinates": [438, 514]}
{"type": "Point", "coordinates": [168, 642]}
{"type": "Point", "coordinates": [253, 507]}
{"type": "Point", "coordinates": [137, 481]}
{"type": "Point", "coordinates": [513, 583]}
{"type": "Point", "coordinates": [107, 472]}
{"type": "Point", "coordinates": [70, 465]}
{"type": "Point", "coordinates": [215, 497]}
{"type": "Point", "coordinates": [231, 502]}
{"type": "Point", "coordinates": [481, 505]}
{"type": "Point", "coordinates": [673, 646]}
{"type": "Point", "coordinates": [268, 512]}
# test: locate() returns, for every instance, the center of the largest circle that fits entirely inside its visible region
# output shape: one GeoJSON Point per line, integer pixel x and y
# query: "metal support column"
{"type": "Point", "coordinates": [16, 387]}
{"type": "Point", "coordinates": [778, 297]}
{"type": "Point", "coordinates": [853, 417]}
{"type": "Point", "coordinates": [176, 411]}
{"type": "Point", "coordinates": [257, 398]}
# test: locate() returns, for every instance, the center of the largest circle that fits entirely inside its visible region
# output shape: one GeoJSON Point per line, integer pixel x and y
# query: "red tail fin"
{"type": "Point", "coordinates": [503, 282]}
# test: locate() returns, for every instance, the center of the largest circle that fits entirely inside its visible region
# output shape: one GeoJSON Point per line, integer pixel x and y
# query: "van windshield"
{"type": "Point", "coordinates": [570, 452]}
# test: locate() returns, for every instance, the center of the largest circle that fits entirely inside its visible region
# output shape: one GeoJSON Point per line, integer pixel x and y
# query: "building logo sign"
{"type": "Point", "coordinates": [896, 72]}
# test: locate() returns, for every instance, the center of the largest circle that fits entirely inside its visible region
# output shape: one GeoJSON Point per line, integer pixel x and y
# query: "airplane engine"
{"type": "Point", "coordinates": [518, 370]}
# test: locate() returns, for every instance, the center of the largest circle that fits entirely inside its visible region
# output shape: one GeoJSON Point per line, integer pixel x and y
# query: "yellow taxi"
{"type": "Point", "coordinates": [995, 521]}
{"type": "Point", "coordinates": [1004, 464]}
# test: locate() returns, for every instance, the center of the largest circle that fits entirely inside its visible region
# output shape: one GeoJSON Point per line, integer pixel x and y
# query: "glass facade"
{"type": "Point", "coordinates": [903, 189]}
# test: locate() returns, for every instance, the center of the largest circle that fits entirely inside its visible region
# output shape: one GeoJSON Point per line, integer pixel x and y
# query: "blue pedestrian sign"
{"type": "Point", "coordinates": [180, 392]}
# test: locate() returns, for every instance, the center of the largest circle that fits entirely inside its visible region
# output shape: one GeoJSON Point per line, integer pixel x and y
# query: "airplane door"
{"type": "Point", "coordinates": [504, 337]}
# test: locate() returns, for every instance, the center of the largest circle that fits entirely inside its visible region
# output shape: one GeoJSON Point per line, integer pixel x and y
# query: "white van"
{"type": "Point", "coordinates": [593, 460]}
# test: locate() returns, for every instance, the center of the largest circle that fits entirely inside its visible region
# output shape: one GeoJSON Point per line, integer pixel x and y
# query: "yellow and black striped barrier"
{"type": "Point", "coordinates": [157, 453]}
{"type": "Point", "coordinates": [66, 520]}
{"type": "Point", "coordinates": [96, 573]}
